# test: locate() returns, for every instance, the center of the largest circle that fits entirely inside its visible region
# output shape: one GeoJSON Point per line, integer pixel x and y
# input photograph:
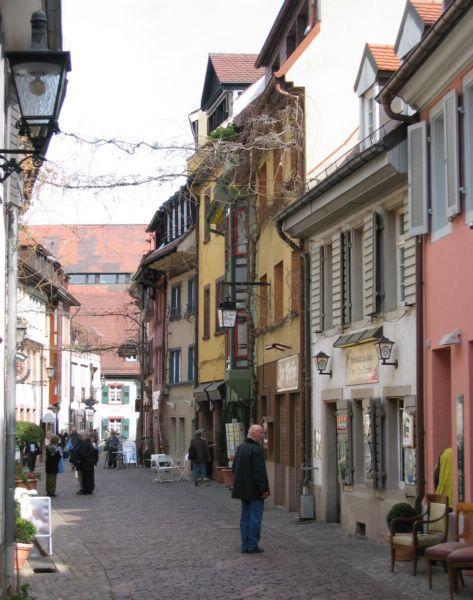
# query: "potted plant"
{"type": "Point", "coordinates": [228, 477]}
{"type": "Point", "coordinates": [21, 478]}
{"type": "Point", "coordinates": [401, 510]}
{"type": "Point", "coordinates": [27, 432]}
{"type": "Point", "coordinates": [25, 532]}
{"type": "Point", "coordinates": [31, 481]}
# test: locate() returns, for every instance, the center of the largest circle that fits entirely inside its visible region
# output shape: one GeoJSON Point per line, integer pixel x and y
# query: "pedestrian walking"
{"type": "Point", "coordinates": [199, 455]}
{"type": "Point", "coordinates": [73, 438]}
{"type": "Point", "coordinates": [53, 460]}
{"type": "Point", "coordinates": [31, 452]}
{"type": "Point", "coordinates": [84, 457]}
{"type": "Point", "coordinates": [251, 487]}
{"type": "Point", "coordinates": [112, 445]}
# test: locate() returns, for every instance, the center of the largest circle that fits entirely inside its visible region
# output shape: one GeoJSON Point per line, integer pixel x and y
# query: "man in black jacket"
{"type": "Point", "coordinates": [251, 487]}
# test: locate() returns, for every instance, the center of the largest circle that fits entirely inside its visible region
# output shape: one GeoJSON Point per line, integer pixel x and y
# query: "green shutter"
{"type": "Point", "coordinates": [104, 426]}
{"type": "Point", "coordinates": [126, 394]}
{"type": "Point", "coordinates": [105, 394]}
{"type": "Point", "coordinates": [126, 428]}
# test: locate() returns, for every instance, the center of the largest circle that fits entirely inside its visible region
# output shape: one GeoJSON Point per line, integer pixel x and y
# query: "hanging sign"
{"type": "Point", "coordinates": [362, 364]}
{"type": "Point", "coordinates": [288, 374]}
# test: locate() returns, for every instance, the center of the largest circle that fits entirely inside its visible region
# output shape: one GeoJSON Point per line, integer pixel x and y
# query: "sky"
{"type": "Point", "coordinates": [137, 72]}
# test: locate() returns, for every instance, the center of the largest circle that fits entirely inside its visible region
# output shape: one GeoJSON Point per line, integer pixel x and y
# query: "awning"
{"type": "Point", "coordinates": [216, 390]}
{"type": "Point", "coordinates": [360, 337]}
{"type": "Point", "coordinates": [200, 393]}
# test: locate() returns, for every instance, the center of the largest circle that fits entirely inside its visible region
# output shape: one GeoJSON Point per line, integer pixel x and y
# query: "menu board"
{"type": "Point", "coordinates": [37, 509]}
{"type": "Point", "coordinates": [235, 437]}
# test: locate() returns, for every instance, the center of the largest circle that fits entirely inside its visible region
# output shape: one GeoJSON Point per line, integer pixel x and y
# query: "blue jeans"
{"type": "Point", "coordinates": [250, 523]}
{"type": "Point", "coordinates": [203, 470]}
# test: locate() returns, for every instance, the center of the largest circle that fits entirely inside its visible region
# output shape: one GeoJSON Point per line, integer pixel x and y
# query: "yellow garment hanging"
{"type": "Point", "coordinates": [445, 485]}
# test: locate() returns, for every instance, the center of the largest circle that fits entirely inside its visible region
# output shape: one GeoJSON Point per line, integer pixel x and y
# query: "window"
{"type": "Point", "coordinates": [115, 425]}
{"type": "Point", "coordinates": [77, 278]}
{"type": "Point", "coordinates": [439, 205]}
{"type": "Point", "coordinates": [190, 363]}
{"type": "Point", "coordinates": [191, 296]}
{"type": "Point", "coordinates": [401, 256]}
{"type": "Point", "coordinates": [263, 302]}
{"type": "Point", "coordinates": [326, 278]}
{"type": "Point", "coordinates": [357, 289]}
{"type": "Point", "coordinates": [175, 302]}
{"type": "Point", "coordinates": [241, 342]}
{"type": "Point", "coordinates": [174, 366]}
{"type": "Point", "coordinates": [206, 314]}
{"type": "Point", "coordinates": [394, 264]}
{"type": "Point", "coordinates": [204, 220]}
{"type": "Point", "coordinates": [109, 278]}
{"type": "Point", "coordinates": [278, 292]}
{"type": "Point", "coordinates": [369, 112]}
{"type": "Point", "coordinates": [115, 394]}
{"type": "Point", "coordinates": [219, 298]}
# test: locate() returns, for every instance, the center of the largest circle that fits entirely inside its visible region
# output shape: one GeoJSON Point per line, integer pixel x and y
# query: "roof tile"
{"type": "Point", "coordinates": [384, 57]}
{"type": "Point", "coordinates": [429, 12]}
{"type": "Point", "coordinates": [236, 68]}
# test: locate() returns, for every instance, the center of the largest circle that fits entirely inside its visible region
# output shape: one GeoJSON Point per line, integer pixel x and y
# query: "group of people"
{"type": "Point", "coordinates": [250, 486]}
{"type": "Point", "coordinates": [83, 454]}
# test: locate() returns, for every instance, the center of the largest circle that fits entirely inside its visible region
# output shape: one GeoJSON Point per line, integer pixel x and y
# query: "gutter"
{"type": "Point", "coordinates": [420, 431]}
{"type": "Point", "coordinates": [418, 55]}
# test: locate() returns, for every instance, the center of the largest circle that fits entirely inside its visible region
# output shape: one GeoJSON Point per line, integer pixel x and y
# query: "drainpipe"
{"type": "Point", "coordinates": [306, 354]}
{"type": "Point", "coordinates": [420, 371]}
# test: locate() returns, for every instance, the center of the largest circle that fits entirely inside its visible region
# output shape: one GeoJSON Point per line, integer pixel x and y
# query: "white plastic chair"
{"type": "Point", "coordinates": [182, 467]}
{"type": "Point", "coordinates": [164, 468]}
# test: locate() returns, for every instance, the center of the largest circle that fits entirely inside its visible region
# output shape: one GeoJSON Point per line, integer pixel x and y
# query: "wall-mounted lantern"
{"type": "Point", "coordinates": [384, 347]}
{"type": "Point", "coordinates": [227, 313]}
{"type": "Point", "coordinates": [322, 362]}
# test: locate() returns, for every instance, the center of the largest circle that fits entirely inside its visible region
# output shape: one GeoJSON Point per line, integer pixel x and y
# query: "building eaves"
{"type": "Point", "coordinates": [272, 39]}
{"type": "Point", "coordinates": [421, 52]}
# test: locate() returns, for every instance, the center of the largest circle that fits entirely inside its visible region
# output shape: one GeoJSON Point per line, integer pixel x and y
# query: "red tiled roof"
{"type": "Point", "coordinates": [429, 12]}
{"type": "Point", "coordinates": [94, 248]}
{"type": "Point", "coordinates": [236, 68]}
{"type": "Point", "coordinates": [384, 57]}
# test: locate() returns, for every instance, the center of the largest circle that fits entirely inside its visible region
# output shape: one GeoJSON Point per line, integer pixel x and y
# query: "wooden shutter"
{"type": "Point", "coordinates": [126, 428]}
{"type": "Point", "coordinates": [337, 304]}
{"type": "Point", "coordinates": [409, 267]}
{"type": "Point", "coordinates": [417, 178]}
{"type": "Point", "coordinates": [126, 394]}
{"type": "Point", "coordinates": [105, 394]}
{"type": "Point", "coordinates": [316, 288]}
{"type": "Point", "coordinates": [452, 162]}
{"type": "Point", "coordinates": [377, 439]}
{"type": "Point", "coordinates": [345, 248]}
{"type": "Point", "coordinates": [206, 315]}
{"type": "Point", "coordinates": [104, 426]}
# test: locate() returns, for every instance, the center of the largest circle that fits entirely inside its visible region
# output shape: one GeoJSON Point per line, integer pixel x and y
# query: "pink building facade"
{"type": "Point", "coordinates": [437, 81]}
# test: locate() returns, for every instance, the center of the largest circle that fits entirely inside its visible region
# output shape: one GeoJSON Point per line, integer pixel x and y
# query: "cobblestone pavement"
{"type": "Point", "coordinates": [134, 539]}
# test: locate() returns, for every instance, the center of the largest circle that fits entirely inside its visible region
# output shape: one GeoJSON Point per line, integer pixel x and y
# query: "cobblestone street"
{"type": "Point", "coordinates": [135, 540]}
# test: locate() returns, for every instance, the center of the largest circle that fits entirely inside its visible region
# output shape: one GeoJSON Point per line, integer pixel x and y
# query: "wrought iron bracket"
{"type": "Point", "coordinates": [8, 166]}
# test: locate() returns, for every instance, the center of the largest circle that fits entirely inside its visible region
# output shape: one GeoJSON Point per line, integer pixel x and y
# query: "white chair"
{"type": "Point", "coordinates": [163, 467]}
{"type": "Point", "coordinates": [182, 467]}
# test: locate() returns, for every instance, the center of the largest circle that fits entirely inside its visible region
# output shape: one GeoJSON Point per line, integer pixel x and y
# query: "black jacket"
{"type": "Point", "coordinates": [202, 454]}
{"type": "Point", "coordinates": [84, 456]}
{"type": "Point", "coordinates": [251, 479]}
{"type": "Point", "coordinates": [53, 456]}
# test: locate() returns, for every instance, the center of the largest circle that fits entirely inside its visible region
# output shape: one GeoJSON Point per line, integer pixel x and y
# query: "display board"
{"type": "Point", "coordinates": [235, 437]}
{"type": "Point", "coordinates": [37, 509]}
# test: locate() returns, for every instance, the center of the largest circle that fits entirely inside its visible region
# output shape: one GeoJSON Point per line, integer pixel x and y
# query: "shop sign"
{"type": "Point", "coordinates": [362, 365]}
{"type": "Point", "coordinates": [342, 423]}
{"type": "Point", "coordinates": [288, 374]}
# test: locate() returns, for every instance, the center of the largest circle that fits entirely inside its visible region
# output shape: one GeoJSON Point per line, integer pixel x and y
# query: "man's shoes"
{"type": "Point", "coordinates": [196, 483]}
{"type": "Point", "coordinates": [256, 550]}
{"type": "Point", "coordinates": [80, 492]}
{"type": "Point", "coordinates": [244, 550]}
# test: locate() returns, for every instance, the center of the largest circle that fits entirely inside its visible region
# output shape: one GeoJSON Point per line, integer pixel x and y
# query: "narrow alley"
{"type": "Point", "coordinates": [134, 539]}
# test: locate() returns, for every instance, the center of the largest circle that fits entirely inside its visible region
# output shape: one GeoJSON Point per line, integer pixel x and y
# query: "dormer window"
{"type": "Point", "coordinates": [369, 112]}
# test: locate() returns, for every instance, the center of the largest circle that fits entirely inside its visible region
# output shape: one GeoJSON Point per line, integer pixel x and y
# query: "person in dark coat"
{"type": "Point", "coordinates": [84, 457]}
{"type": "Point", "coordinates": [31, 452]}
{"type": "Point", "coordinates": [74, 438]}
{"type": "Point", "coordinates": [199, 449]}
{"type": "Point", "coordinates": [53, 457]}
{"type": "Point", "coordinates": [112, 445]}
{"type": "Point", "coordinates": [251, 487]}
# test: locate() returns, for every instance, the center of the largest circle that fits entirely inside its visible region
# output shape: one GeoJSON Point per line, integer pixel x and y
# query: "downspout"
{"type": "Point", "coordinates": [196, 312]}
{"type": "Point", "coordinates": [306, 354]}
{"type": "Point", "coordinates": [420, 371]}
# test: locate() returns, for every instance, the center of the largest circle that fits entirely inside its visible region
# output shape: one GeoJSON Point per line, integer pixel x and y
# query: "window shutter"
{"type": "Point", "coordinates": [377, 441]}
{"type": "Point", "coordinates": [105, 394]}
{"type": "Point", "coordinates": [104, 426]}
{"type": "Point", "coordinates": [344, 443]}
{"type": "Point", "coordinates": [409, 268]}
{"type": "Point", "coordinates": [337, 306]}
{"type": "Point", "coordinates": [126, 428]}
{"type": "Point", "coordinates": [345, 246]}
{"type": "Point", "coordinates": [126, 394]}
{"type": "Point", "coordinates": [371, 264]}
{"type": "Point", "coordinates": [417, 178]}
{"type": "Point", "coordinates": [452, 163]}
{"type": "Point", "coordinates": [316, 287]}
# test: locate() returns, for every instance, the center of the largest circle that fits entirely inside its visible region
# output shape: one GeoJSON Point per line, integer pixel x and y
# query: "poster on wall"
{"type": "Point", "coordinates": [235, 437]}
{"type": "Point", "coordinates": [362, 365]}
{"type": "Point", "coordinates": [367, 433]}
{"type": "Point", "coordinates": [409, 465]}
{"type": "Point", "coordinates": [460, 449]}
{"type": "Point", "coordinates": [407, 430]}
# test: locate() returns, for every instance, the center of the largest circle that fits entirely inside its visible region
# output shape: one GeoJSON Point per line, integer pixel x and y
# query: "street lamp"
{"type": "Point", "coordinates": [39, 79]}
{"type": "Point", "coordinates": [322, 362]}
{"type": "Point", "coordinates": [50, 372]}
{"type": "Point", "coordinates": [384, 347]}
{"type": "Point", "coordinates": [227, 313]}
{"type": "Point", "coordinates": [103, 381]}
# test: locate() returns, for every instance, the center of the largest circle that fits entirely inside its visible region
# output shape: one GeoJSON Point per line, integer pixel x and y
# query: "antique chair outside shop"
{"type": "Point", "coordinates": [463, 538]}
{"type": "Point", "coordinates": [429, 529]}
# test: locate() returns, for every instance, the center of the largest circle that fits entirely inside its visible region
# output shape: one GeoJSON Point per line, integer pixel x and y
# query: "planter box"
{"type": "Point", "coordinates": [21, 554]}
{"type": "Point", "coordinates": [228, 477]}
{"type": "Point", "coordinates": [219, 474]}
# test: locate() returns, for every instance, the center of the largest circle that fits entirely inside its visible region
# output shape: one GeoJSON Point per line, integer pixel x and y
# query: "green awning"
{"type": "Point", "coordinates": [360, 337]}
{"type": "Point", "coordinates": [239, 380]}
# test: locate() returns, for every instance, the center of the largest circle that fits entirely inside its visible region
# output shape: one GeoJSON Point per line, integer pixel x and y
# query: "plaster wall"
{"type": "Point", "coordinates": [328, 67]}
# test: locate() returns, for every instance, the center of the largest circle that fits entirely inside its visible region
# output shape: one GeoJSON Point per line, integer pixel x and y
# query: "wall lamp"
{"type": "Point", "coordinates": [227, 313]}
{"type": "Point", "coordinates": [50, 372]}
{"type": "Point", "coordinates": [39, 79]}
{"type": "Point", "coordinates": [322, 361]}
{"type": "Point", "coordinates": [384, 348]}
{"type": "Point", "coordinates": [20, 334]}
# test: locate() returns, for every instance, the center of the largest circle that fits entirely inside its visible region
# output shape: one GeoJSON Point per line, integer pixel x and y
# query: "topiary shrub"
{"type": "Point", "coordinates": [24, 531]}
{"type": "Point", "coordinates": [401, 509]}
{"type": "Point", "coordinates": [27, 432]}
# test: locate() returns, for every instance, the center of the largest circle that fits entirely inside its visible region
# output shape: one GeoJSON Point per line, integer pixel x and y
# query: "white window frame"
{"type": "Point", "coordinates": [467, 91]}
{"type": "Point", "coordinates": [401, 238]}
{"type": "Point", "coordinates": [437, 166]}
{"type": "Point", "coordinates": [173, 353]}
{"type": "Point", "coordinates": [115, 394]}
{"type": "Point", "coordinates": [370, 106]}
{"type": "Point", "coordinates": [115, 424]}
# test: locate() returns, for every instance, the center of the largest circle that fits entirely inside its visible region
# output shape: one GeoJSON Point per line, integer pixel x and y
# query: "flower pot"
{"type": "Point", "coordinates": [21, 554]}
{"type": "Point", "coordinates": [219, 474]}
{"type": "Point", "coordinates": [32, 484]}
{"type": "Point", "coordinates": [21, 484]}
{"type": "Point", "coordinates": [228, 477]}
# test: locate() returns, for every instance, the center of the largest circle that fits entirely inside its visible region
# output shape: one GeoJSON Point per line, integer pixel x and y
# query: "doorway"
{"type": "Point", "coordinates": [331, 464]}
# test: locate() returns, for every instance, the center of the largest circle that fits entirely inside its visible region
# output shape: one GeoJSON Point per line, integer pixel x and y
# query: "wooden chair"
{"type": "Point", "coordinates": [428, 529]}
{"type": "Point", "coordinates": [456, 562]}
{"type": "Point", "coordinates": [462, 538]}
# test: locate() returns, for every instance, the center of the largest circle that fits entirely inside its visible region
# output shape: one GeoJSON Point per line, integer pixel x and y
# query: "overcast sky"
{"type": "Point", "coordinates": [137, 72]}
